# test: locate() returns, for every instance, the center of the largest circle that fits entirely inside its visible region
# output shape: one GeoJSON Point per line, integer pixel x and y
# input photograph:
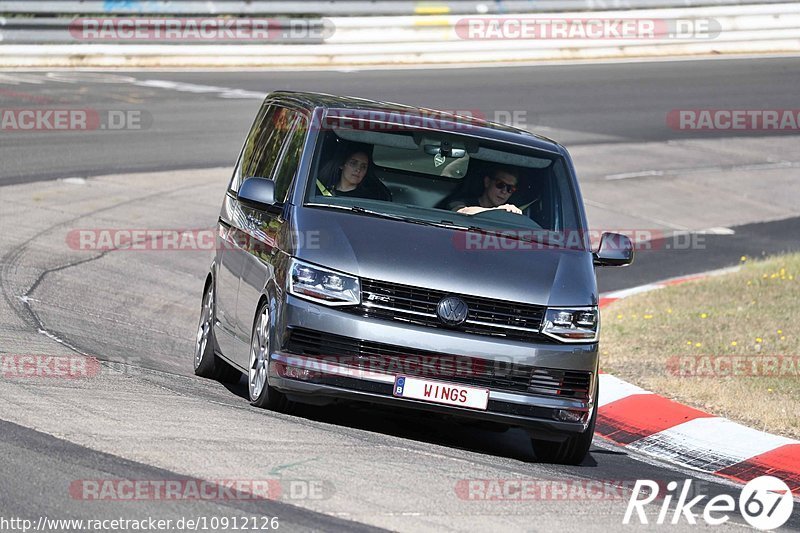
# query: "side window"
{"type": "Point", "coordinates": [290, 160]}
{"type": "Point", "coordinates": [246, 157]}
{"type": "Point", "coordinates": [268, 140]}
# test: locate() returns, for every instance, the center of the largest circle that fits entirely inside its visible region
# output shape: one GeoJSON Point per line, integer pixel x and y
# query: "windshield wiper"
{"type": "Point", "coordinates": [369, 212]}
{"type": "Point", "coordinates": [517, 235]}
{"type": "Point", "coordinates": [447, 224]}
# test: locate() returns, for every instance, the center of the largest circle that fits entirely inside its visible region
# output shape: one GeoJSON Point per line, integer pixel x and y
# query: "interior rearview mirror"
{"type": "Point", "coordinates": [432, 149]}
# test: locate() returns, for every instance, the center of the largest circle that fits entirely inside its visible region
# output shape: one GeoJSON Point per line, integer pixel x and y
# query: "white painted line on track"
{"type": "Point", "coordinates": [83, 77]}
{"type": "Point", "coordinates": [16, 79]}
{"type": "Point", "coordinates": [770, 165]}
{"type": "Point", "coordinates": [716, 231]}
{"type": "Point", "coordinates": [631, 175]}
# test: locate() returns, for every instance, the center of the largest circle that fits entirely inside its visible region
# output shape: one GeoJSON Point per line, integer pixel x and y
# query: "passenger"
{"type": "Point", "coordinates": [497, 189]}
{"type": "Point", "coordinates": [351, 177]}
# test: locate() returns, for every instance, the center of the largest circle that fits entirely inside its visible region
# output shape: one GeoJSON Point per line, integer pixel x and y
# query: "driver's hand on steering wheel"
{"type": "Point", "coordinates": [510, 208]}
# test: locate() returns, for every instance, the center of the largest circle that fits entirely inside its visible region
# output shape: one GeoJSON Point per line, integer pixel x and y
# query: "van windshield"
{"type": "Point", "coordinates": [449, 179]}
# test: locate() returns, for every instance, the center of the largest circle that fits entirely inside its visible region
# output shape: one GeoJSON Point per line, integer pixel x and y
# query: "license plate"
{"type": "Point", "coordinates": [438, 392]}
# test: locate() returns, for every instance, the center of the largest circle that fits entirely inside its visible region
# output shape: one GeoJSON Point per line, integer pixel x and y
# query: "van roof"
{"type": "Point", "coordinates": [476, 125]}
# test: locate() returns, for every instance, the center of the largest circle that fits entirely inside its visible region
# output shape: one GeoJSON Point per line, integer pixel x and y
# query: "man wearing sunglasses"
{"type": "Point", "coordinates": [497, 189]}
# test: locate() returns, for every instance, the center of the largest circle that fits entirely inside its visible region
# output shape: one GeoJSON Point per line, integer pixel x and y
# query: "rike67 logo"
{"type": "Point", "coordinates": [765, 503]}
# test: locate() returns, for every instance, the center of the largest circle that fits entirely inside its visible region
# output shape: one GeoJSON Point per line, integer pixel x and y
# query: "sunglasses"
{"type": "Point", "coordinates": [500, 184]}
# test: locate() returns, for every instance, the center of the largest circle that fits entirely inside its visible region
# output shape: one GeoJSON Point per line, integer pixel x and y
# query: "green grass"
{"type": "Point", "coordinates": [752, 314]}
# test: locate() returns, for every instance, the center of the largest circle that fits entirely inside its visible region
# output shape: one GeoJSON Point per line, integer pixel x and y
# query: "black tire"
{"type": "Point", "coordinates": [571, 451]}
{"type": "Point", "coordinates": [206, 362]}
{"type": "Point", "coordinates": [261, 393]}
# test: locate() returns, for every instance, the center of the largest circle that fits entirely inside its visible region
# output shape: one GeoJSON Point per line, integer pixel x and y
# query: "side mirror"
{"type": "Point", "coordinates": [615, 250]}
{"type": "Point", "coordinates": [259, 193]}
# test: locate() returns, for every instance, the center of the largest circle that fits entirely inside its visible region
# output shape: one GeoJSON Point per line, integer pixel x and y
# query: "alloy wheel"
{"type": "Point", "coordinates": [259, 355]}
{"type": "Point", "coordinates": [204, 328]}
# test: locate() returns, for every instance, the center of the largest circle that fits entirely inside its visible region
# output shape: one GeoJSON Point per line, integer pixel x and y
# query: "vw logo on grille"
{"type": "Point", "coordinates": [452, 311]}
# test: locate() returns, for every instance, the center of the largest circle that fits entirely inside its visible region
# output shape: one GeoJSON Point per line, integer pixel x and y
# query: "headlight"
{"type": "Point", "coordinates": [322, 285]}
{"type": "Point", "coordinates": [578, 324]}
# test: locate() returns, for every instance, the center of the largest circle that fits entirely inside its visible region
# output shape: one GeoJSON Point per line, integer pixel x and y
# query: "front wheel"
{"type": "Point", "coordinates": [261, 394]}
{"type": "Point", "coordinates": [574, 449]}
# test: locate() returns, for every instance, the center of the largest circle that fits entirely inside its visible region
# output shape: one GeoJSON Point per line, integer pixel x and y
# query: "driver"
{"type": "Point", "coordinates": [497, 189]}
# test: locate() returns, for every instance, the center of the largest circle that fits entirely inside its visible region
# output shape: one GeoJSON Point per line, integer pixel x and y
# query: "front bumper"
{"type": "Point", "coordinates": [539, 413]}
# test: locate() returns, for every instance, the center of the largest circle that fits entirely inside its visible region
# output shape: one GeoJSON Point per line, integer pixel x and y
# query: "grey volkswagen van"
{"type": "Point", "coordinates": [383, 253]}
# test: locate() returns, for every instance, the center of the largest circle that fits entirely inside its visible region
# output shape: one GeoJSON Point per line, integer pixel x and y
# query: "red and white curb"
{"type": "Point", "coordinates": [651, 424]}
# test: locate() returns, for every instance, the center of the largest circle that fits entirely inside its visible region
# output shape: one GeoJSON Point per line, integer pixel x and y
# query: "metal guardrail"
{"type": "Point", "coordinates": [338, 7]}
{"type": "Point", "coordinates": [761, 21]}
{"type": "Point", "coordinates": [394, 40]}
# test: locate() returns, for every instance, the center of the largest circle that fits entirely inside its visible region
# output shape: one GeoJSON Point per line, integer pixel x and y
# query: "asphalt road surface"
{"type": "Point", "coordinates": [199, 119]}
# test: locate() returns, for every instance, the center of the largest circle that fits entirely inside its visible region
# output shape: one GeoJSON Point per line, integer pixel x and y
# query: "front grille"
{"type": "Point", "coordinates": [394, 360]}
{"type": "Point", "coordinates": [417, 305]}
